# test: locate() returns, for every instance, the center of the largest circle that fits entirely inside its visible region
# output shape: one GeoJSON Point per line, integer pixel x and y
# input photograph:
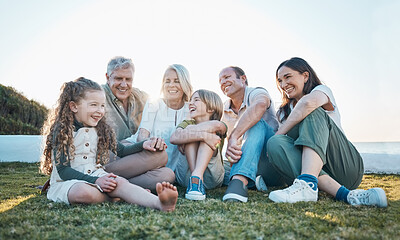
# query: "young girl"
{"type": "Point", "coordinates": [78, 143]}
{"type": "Point", "coordinates": [202, 140]}
{"type": "Point", "coordinates": [310, 148]}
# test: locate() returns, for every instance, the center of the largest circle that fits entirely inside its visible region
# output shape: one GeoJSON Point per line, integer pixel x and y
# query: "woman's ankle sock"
{"type": "Point", "coordinates": [309, 179]}
{"type": "Point", "coordinates": [342, 193]}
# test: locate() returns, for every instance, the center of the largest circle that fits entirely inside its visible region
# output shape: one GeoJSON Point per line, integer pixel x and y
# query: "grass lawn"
{"type": "Point", "coordinates": [25, 214]}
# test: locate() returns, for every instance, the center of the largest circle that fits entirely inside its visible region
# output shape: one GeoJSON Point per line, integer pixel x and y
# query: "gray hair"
{"type": "Point", "coordinates": [184, 79]}
{"type": "Point", "coordinates": [119, 62]}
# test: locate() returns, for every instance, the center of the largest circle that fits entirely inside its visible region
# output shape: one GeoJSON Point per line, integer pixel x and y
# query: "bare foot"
{"type": "Point", "coordinates": [168, 195]}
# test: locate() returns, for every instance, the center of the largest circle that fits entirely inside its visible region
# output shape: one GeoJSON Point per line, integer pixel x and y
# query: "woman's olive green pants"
{"type": "Point", "coordinates": [317, 131]}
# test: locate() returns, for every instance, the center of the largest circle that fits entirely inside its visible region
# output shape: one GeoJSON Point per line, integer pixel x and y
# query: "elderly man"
{"type": "Point", "coordinates": [250, 116]}
{"type": "Point", "coordinates": [124, 102]}
{"type": "Point", "coordinates": [124, 111]}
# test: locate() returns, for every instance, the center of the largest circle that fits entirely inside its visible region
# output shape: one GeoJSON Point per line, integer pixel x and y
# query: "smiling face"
{"type": "Point", "coordinates": [230, 84]}
{"type": "Point", "coordinates": [90, 109]}
{"type": "Point", "coordinates": [120, 82]}
{"type": "Point", "coordinates": [172, 88]}
{"type": "Point", "coordinates": [292, 82]}
{"type": "Point", "coordinates": [198, 109]}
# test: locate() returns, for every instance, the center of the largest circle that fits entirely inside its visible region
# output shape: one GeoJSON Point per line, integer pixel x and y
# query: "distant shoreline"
{"type": "Point", "coordinates": [27, 148]}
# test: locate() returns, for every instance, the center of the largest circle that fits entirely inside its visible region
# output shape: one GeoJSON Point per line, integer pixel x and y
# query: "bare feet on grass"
{"type": "Point", "coordinates": [168, 195]}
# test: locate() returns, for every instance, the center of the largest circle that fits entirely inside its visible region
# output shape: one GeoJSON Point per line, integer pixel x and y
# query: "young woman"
{"type": "Point", "coordinates": [310, 148]}
{"type": "Point", "coordinates": [77, 146]}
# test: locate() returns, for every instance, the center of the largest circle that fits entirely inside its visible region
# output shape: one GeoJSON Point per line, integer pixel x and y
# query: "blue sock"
{"type": "Point", "coordinates": [342, 193]}
{"type": "Point", "coordinates": [309, 179]}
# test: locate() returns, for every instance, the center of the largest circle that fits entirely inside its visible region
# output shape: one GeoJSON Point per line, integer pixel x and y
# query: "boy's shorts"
{"type": "Point", "coordinates": [212, 177]}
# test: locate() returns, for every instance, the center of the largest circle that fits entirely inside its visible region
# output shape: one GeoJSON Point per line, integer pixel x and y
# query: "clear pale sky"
{"type": "Point", "coordinates": [354, 47]}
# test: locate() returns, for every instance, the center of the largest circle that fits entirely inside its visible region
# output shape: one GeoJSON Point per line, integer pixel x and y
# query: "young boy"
{"type": "Point", "coordinates": [201, 140]}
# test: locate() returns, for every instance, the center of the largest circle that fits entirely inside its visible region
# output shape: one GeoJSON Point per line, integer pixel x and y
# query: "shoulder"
{"type": "Point", "coordinates": [323, 88]}
{"type": "Point", "coordinates": [139, 94]}
{"type": "Point", "coordinates": [326, 90]}
{"type": "Point", "coordinates": [256, 94]}
{"type": "Point", "coordinates": [186, 123]}
{"type": "Point", "coordinates": [322, 92]}
{"type": "Point", "coordinates": [189, 122]}
{"type": "Point", "coordinates": [155, 104]}
{"type": "Point", "coordinates": [257, 91]}
{"type": "Point", "coordinates": [109, 95]}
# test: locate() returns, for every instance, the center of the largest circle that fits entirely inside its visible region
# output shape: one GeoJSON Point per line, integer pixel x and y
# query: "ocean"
{"type": "Point", "coordinates": [379, 157]}
{"type": "Point", "coordinates": [392, 148]}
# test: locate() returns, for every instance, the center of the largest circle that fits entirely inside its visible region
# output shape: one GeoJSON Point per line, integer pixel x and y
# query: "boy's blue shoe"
{"type": "Point", "coordinates": [195, 189]}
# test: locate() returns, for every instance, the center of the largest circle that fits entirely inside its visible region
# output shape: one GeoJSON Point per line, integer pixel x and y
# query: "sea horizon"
{"type": "Point", "coordinates": [379, 157]}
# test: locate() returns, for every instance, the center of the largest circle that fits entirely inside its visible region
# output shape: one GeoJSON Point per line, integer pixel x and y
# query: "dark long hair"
{"type": "Point", "coordinates": [301, 66]}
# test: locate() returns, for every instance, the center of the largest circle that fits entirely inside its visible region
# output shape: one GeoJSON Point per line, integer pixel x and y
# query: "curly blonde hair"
{"type": "Point", "coordinates": [59, 127]}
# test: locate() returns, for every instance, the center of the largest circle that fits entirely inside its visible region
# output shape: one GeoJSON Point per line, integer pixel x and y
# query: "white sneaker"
{"type": "Point", "coordinates": [300, 191]}
{"type": "Point", "coordinates": [260, 184]}
{"type": "Point", "coordinates": [372, 197]}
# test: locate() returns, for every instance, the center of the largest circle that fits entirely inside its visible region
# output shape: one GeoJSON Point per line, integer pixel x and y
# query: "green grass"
{"type": "Point", "coordinates": [25, 214]}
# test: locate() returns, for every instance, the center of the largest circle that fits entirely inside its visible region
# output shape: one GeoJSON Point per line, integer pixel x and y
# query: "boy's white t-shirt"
{"type": "Point", "coordinates": [161, 121]}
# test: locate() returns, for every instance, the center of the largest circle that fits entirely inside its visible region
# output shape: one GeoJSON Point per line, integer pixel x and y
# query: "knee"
{"type": "Point", "coordinates": [260, 130]}
{"type": "Point", "coordinates": [317, 116]}
{"type": "Point", "coordinates": [169, 175]}
{"type": "Point", "coordinates": [256, 128]}
{"type": "Point", "coordinates": [121, 181]}
{"type": "Point", "coordinates": [163, 158]}
{"type": "Point", "coordinates": [274, 146]}
{"type": "Point", "coordinates": [82, 194]}
{"type": "Point", "coordinates": [160, 157]}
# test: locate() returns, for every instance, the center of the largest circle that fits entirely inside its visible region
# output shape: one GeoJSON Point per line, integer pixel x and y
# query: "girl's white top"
{"type": "Point", "coordinates": [85, 142]}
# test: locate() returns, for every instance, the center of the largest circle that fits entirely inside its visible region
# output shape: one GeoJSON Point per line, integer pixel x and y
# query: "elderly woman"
{"type": "Point", "coordinates": [160, 117]}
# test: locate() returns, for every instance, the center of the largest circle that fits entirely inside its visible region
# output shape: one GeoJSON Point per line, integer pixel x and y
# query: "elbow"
{"type": "Point", "coordinates": [216, 126]}
{"type": "Point", "coordinates": [221, 128]}
{"type": "Point", "coordinates": [173, 139]}
{"type": "Point", "coordinates": [308, 103]}
{"type": "Point", "coordinates": [142, 135]}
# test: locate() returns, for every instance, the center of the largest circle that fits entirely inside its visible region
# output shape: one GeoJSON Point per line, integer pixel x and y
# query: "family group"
{"type": "Point", "coordinates": [110, 142]}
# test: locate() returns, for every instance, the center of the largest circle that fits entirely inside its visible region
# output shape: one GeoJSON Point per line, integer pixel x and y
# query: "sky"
{"type": "Point", "coordinates": [352, 45]}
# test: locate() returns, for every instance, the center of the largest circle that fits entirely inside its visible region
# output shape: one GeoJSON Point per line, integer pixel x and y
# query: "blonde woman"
{"type": "Point", "coordinates": [161, 116]}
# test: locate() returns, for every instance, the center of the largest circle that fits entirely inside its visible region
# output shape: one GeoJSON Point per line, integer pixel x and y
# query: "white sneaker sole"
{"type": "Point", "coordinates": [276, 198]}
{"type": "Point", "coordinates": [195, 197]}
{"type": "Point", "coordinates": [234, 196]}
